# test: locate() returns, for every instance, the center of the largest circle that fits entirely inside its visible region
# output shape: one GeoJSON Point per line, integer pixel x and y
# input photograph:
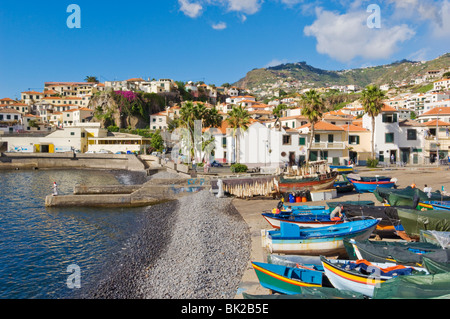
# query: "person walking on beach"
{"type": "Point", "coordinates": [55, 189]}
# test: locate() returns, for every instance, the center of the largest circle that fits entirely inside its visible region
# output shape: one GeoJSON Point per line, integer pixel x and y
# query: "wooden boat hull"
{"type": "Point", "coordinates": [329, 241]}
{"type": "Point", "coordinates": [345, 279]}
{"type": "Point", "coordinates": [301, 221]}
{"type": "Point", "coordinates": [342, 169]}
{"type": "Point", "coordinates": [286, 280]}
{"type": "Point", "coordinates": [370, 187]}
{"type": "Point", "coordinates": [321, 183]}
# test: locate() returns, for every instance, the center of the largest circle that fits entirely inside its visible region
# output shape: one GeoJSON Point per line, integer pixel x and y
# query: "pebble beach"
{"type": "Point", "coordinates": [195, 248]}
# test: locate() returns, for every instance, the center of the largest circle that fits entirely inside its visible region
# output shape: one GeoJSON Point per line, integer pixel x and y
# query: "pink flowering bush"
{"type": "Point", "coordinates": [129, 95]}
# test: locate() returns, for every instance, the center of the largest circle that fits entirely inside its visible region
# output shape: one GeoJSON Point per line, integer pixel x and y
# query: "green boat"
{"type": "Point", "coordinates": [415, 287]}
{"type": "Point", "coordinates": [405, 253]}
{"type": "Point", "coordinates": [408, 197]}
{"type": "Point", "coordinates": [287, 280]}
{"type": "Point", "coordinates": [413, 220]}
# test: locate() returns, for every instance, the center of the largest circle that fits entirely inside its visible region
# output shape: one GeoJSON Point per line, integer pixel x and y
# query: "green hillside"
{"type": "Point", "coordinates": [384, 74]}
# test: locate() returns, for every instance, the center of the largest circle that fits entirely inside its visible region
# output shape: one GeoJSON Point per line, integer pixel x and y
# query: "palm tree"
{"type": "Point", "coordinates": [313, 108]}
{"type": "Point", "coordinates": [190, 113]}
{"type": "Point", "coordinates": [278, 111]}
{"type": "Point", "coordinates": [372, 101]}
{"type": "Point", "coordinates": [239, 120]}
{"type": "Point", "coordinates": [91, 79]}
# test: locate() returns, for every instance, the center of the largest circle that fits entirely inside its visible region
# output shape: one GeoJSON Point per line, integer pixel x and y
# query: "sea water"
{"type": "Point", "coordinates": [39, 245]}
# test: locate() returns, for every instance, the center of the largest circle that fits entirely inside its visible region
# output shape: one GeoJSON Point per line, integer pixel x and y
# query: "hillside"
{"type": "Point", "coordinates": [384, 74]}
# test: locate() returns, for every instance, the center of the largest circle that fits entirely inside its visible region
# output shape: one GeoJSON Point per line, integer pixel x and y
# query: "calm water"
{"type": "Point", "coordinates": [38, 244]}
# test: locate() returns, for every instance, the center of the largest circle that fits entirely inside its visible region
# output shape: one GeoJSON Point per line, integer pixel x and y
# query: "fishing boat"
{"type": "Point", "coordinates": [370, 187]}
{"type": "Point", "coordinates": [409, 196]}
{"type": "Point", "coordinates": [291, 239]}
{"type": "Point", "coordinates": [342, 169]}
{"type": "Point", "coordinates": [377, 178]}
{"type": "Point", "coordinates": [439, 205]}
{"type": "Point", "coordinates": [292, 184]}
{"type": "Point", "coordinates": [362, 276]}
{"type": "Point", "coordinates": [344, 187]}
{"type": "Point", "coordinates": [308, 221]}
{"type": "Point", "coordinates": [402, 252]}
{"type": "Point", "coordinates": [413, 220]}
{"type": "Point", "coordinates": [294, 260]}
{"type": "Point", "coordinates": [333, 205]}
{"type": "Point", "coordinates": [286, 280]}
{"type": "Point", "coordinates": [385, 228]}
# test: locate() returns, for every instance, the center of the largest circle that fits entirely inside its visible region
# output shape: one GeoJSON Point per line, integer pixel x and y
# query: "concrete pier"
{"type": "Point", "coordinates": [151, 193]}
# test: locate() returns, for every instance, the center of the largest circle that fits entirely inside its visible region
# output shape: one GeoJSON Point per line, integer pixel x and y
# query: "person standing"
{"type": "Point", "coordinates": [55, 189]}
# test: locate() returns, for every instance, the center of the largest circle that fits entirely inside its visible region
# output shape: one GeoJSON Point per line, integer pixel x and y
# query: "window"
{"type": "Point", "coordinates": [317, 138]}
{"type": "Point", "coordinates": [286, 140]}
{"type": "Point", "coordinates": [330, 138]}
{"type": "Point", "coordinates": [1, 117]}
{"type": "Point", "coordinates": [224, 142]}
{"type": "Point", "coordinates": [389, 137]}
{"type": "Point", "coordinates": [302, 141]}
{"type": "Point", "coordinates": [72, 133]}
{"type": "Point", "coordinates": [412, 135]}
{"type": "Point", "coordinates": [390, 118]}
{"type": "Point", "coordinates": [354, 140]}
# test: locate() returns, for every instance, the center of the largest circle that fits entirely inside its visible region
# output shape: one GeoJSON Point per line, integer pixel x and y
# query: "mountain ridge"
{"type": "Point", "coordinates": [311, 76]}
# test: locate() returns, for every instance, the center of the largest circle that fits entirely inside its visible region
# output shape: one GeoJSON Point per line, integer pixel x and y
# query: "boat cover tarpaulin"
{"type": "Point", "coordinates": [413, 221]}
{"type": "Point", "coordinates": [407, 253]}
{"type": "Point", "coordinates": [406, 196]}
{"type": "Point", "coordinates": [312, 293]}
{"type": "Point", "coordinates": [436, 237]}
{"type": "Point", "coordinates": [415, 287]}
{"type": "Point", "coordinates": [435, 267]}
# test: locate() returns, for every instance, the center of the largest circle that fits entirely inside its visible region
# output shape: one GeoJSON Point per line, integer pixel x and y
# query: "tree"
{"type": "Point", "coordinates": [313, 108]}
{"type": "Point", "coordinates": [278, 111]}
{"type": "Point", "coordinates": [239, 120]}
{"type": "Point", "coordinates": [191, 112]}
{"type": "Point", "coordinates": [372, 101]}
{"type": "Point", "coordinates": [446, 75]}
{"type": "Point", "coordinates": [91, 79]}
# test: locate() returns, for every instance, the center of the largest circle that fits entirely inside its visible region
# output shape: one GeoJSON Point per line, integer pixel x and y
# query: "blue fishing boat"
{"type": "Point", "coordinates": [292, 239]}
{"type": "Point", "coordinates": [308, 221]}
{"type": "Point", "coordinates": [438, 205]}
{"type": "Point", "coordinates": [356, 177]}
{"type": "Point", "coordinates": [370, 187]}
{"type": "Point", "coordinates": [287, 280]}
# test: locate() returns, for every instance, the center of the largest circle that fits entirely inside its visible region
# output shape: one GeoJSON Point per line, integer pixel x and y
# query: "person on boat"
{"type": "Point", "coordinates": [337, 213]}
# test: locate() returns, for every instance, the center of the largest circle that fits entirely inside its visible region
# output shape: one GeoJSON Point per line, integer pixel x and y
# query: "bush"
{"type": "Point", "coordinates": [372, 162]}
{"type": "Point", "coordinates": [113, 128]}
{"type": "Point", "coordinates": [239, 168]}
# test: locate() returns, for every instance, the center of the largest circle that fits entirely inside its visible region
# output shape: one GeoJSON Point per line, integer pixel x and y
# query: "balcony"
{"type": "Point", "coordinates": [329, 146]}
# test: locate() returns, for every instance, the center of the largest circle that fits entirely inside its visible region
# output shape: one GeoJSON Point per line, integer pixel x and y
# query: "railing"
{"type": "Point", "coordinates": [323, 146]}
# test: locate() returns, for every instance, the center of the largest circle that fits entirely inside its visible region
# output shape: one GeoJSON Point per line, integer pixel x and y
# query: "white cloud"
{"type": "Point", "coordinates": [219, 26]}
{"type": "Point", "coordinates": [191, 9]}
{"type": "Point", "coordinates": [195, 8]}
{"type": "Point", "coordinates": [345, 37]}
{"type": "Point", "coordinates": [275, 62]}
{"type": "Point", "coordinates": [245, 6]}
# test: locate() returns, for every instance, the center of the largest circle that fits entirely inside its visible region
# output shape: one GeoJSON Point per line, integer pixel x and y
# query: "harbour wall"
{"type": "Point", "coordinates": [11, 161]}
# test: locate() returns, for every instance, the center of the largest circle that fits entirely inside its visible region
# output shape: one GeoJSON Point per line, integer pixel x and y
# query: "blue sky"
{"type": "Point", "coordinates": [215, 41]}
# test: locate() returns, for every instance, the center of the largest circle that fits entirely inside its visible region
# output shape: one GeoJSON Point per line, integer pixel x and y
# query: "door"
{"type": "Point", "coordinates": [405, 155]}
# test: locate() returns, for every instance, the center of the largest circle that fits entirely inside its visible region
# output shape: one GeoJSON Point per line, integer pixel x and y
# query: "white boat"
{"type": "Point", "coordinates": [362, 276]}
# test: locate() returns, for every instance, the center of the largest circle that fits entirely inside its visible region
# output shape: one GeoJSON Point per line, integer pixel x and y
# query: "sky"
{"type": "Point", "coordinates": [215, 41]}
